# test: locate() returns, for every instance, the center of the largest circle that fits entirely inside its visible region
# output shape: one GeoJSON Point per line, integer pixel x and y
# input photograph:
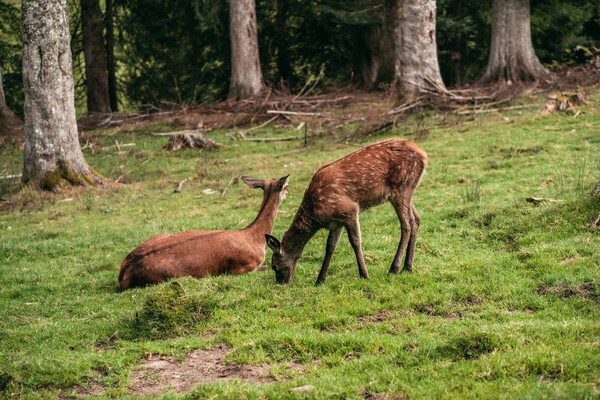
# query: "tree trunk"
{"type": "Point", "coordinates": [110, 56]}
{"type": "Point", "coordinates": [419, 62]}
{"type": "Point", "coordinates": [8, 120]}
{"type": "Point", "coordinates": [52, 151]}
{"type": "Point", "coordinates": [512, 57]}
{"type": "Point", "coordinates": [246, 75]}
{"type": "Point", "coordinates": [95, 60]}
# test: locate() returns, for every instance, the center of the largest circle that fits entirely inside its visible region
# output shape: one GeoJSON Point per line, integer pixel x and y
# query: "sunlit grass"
{"type": "Point", "coordinates": [470, 322]}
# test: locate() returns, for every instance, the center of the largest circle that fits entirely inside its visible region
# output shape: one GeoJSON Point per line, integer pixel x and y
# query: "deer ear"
{"type": "Point", "coordinates": [254, 183]}
{"type": "Point", "coordinates": [282, 183]}
{"type": "Point", "coordinates": [273, 243]}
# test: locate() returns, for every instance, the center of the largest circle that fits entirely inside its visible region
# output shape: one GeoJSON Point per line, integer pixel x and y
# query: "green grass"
{"type": "Point", "coordinates": [496, 306]}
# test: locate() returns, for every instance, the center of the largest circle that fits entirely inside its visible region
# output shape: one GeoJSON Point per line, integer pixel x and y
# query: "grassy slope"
{"type": "Point", "coordinates": [469, 322]}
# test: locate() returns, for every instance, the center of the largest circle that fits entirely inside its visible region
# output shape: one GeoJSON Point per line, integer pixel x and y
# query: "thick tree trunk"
{"type": "Point", "coordinates": [512, 57]}
{"type": "Point", "coordinates": [52, 151]}
{"type": "Point", "coordinates": [95, 60]}
{"type": "Point", "coordinates": [8, 120]}
{"type": "Point", "coordinates": [246, 75]}
{"type": "Point", "coordinates": [419, 62]}
{"type": "Point", "coordinates": [110, 56]}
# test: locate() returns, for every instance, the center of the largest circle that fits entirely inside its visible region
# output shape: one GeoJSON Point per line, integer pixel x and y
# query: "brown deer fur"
{"type": "Point", "coordinates": [200, 253]}
{"type": "Point", "coordinates": [386, 171]}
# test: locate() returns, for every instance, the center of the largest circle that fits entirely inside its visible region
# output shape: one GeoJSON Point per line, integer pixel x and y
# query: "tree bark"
{"type": "Point", "coordinates": [95, 59]}
{"type": "Point", "coordinates": [246, 74]}
{"type": "Point", "coordinates": [8, 120]}
{"type": "Point", "coordinates": [110, 56]}
{"type": "Point", "coordinates": [512, 58]}
{"type": "Point", "coordinates": [52, 151]}
{"type": "Point", "coordinates": [419, 62]}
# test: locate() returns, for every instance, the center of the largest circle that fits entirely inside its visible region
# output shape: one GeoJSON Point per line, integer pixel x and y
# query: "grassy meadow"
{"type": "Point", "coordinates": [503, 301]}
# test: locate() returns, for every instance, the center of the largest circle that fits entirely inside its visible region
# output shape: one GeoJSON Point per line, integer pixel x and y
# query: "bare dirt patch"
{"type": "Point", "coordinates": [377, 317]}
{"type": "Point", "coordinates": [586, 290]}
{"type": "Point", "coordinates": [164, 374]}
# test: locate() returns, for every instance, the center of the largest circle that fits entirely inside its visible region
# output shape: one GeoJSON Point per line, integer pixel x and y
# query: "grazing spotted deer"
{"type": "Point", "coordinates": [338, 192]}
{"type": "Point", "coordinates": [200, 253]}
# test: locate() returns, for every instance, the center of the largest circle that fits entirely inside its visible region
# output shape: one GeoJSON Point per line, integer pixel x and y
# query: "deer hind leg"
{"type": "Point", "coordinates": [404, 211]}
{"type": "Point", "coordinates": [332, 241]}
{"type": "Point", "coordinates": [414, 232]}
{"type": "Point", "coordinates": [353, 229]}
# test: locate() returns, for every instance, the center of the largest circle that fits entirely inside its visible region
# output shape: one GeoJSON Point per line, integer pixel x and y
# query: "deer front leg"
{"type": "Point", "coordinates": [332, 241]}
{"type": "Point", "coordinates": [404, 212]}
{"type": "Point", "coordinates": [353, 229]}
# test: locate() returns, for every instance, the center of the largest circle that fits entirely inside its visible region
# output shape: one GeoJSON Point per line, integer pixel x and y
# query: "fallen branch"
{"type": "Point", "coordinates": [489, 110]}
{"type": "Point", "coordinates": [226, 187]}
{"type": "Point", "coordinates": [538, 200]}
{"type": "Point", "coordinates": [180, 186]}
{"type": "Point", "coordinates": [117, 145]}
{"type": "Point", "coordinates": [175, 133]}
{"type": "Point", "coordinates": [11, 176]}
{"type": "Point", "coordinates": [294, 113]}
{"type": "Point", "coordinates": [405, 107]}
{"type": "Point", "coordinates": [283, 139]}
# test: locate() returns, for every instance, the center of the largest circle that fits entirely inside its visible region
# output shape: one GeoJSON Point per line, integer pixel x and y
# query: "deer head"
{"type": "Point", "coordinates": [281, 263]}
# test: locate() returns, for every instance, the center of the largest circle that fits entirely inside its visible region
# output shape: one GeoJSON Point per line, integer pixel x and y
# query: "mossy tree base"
{"type": "Point", "coordinates": [53, 180]}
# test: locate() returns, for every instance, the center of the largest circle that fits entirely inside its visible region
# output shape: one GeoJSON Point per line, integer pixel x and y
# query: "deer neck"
{"type": "Point", "coordinates": [266, 215]}
{"type": "Point", "coordinates": [297, 236]}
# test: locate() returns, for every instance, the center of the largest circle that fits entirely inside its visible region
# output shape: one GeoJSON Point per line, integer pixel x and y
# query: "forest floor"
{"type": "Point", "coordinates": [503, 301]}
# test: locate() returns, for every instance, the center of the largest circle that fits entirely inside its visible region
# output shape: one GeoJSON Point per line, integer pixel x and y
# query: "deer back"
{"type": "Point", "coordinates": [367, 177]}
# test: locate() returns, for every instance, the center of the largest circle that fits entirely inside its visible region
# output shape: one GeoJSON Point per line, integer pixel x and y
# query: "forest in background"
{"type": "Point", "coordinates": [178, 53]}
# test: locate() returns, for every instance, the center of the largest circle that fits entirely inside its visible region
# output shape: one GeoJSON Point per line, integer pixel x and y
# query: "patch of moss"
{"type": "Point", "coordinates": [170, 311]}
{"type": "Point", "coordinates": [468, 346]}
{"type": "Point", "coordinates": [51, 180]}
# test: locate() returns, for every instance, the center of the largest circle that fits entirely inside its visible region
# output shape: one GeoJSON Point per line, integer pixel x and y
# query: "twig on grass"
{"type": "Point", "coordinates": [314, 114]}
{"type": "Point", "coordinates": [226, 187]}
{"type": "Point", "coordinates": [489, 110]}
{"type": "Point", "coordinates": [180, 186]}
{"type": "Point", "coordinates": [282, 139]}
{"type": "Point", "coordinates": [538, 200]}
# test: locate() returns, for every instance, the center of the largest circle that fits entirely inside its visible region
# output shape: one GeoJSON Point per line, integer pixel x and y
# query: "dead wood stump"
{"type": "Point", "coordinates": [195, 141]}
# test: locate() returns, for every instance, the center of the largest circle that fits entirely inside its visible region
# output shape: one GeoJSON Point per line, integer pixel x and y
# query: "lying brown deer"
{"type": "Point", "coordinates": [338, 192]}
{"type": "Point", "coordinates": [200, 253]}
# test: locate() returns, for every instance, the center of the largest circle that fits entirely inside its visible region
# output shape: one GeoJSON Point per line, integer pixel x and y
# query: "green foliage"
{"type": "Point", "coordinates": [10, 56]}
{"type": "Point", "coordinates": [174, 52]}
{"type": "Point", "coordinates": [559, 25]}
{"type": "Point", "coordinates": [463, 38]}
